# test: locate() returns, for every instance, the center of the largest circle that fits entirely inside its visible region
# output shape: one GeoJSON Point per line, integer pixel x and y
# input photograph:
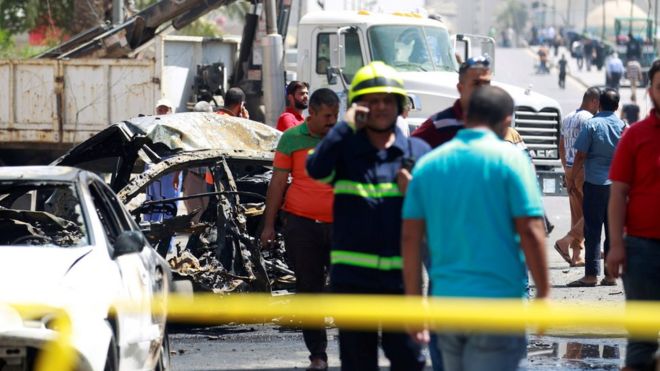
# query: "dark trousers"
{"type": "Point", "coordinates": [641, 281]}
{"type": "Point", "coordinates": [615, 79]}
{"type": "Point", "coordinates": [594, 208]}
{"type": "Point", "coordinates": [358, 350]}
{"type": "Point", "coordinates": [308, 250]}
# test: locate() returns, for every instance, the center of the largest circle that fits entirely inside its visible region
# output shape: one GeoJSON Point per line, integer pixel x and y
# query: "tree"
{"type": "Point", "coordinates": [513, 13]}
{"type": "Point", "coordinates": [18, 16]}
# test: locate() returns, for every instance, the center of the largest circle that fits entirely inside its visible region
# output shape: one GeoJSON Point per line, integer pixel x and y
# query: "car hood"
{"type": "Point", "coordinates": [32, 274]}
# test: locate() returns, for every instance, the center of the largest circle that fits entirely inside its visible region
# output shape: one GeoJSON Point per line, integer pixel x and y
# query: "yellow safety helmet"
{"type": "Point", "coordinates": [377, 77]}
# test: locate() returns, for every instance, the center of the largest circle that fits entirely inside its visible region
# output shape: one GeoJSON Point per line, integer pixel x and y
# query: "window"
{"type": "Point", "coordinates": [108, 219]}
{"type": "Point", "coordinates": [353, 54]}
{"type": "Point", "coordinates": [412, 48]}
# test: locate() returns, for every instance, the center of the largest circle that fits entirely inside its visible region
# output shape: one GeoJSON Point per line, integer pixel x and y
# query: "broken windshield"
{"type": "Point", "coordinates": [41, 213]}
{"type": "Point", "coordinates": [412, 48]}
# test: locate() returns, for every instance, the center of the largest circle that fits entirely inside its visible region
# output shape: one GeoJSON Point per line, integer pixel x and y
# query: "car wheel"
{"type": "Point", "coordinates": [164, 357]}
{"type": "Point", "coordinates": [112, 359]}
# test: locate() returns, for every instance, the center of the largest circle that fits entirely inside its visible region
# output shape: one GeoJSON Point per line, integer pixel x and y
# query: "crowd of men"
{"type": "Point", "coordinates": [372, 207]}
{"type": "Point", "coordinates": [369, 206]}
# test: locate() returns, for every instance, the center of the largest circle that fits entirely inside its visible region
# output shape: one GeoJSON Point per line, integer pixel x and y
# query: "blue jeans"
{"type": "Point", "coordinates": [594, 208]}
{"type": "Point", "coordinates": [476, 352]}
{"type": "Point", "coordinates": [641, 281]}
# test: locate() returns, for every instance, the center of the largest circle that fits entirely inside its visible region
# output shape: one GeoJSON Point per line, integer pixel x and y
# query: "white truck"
{"type": "Point", "coordinates": [332, 46]}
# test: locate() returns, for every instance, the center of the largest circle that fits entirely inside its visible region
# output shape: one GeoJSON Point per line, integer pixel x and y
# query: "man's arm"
{"type": "Point", "coordinates": [532, 242]}
{"type": "Point", "coordinates": [411, 251]}
{"type": "Point", "coordinates": [322, 161]}
{"type": "Point", "coordinates": [412, 233]}
{"type": "Point", "coordinates": [578, 168]}
{"type": "Point", "coordinates": [616, 258]}
{"type": "Point", "coordinates": [562, 151]}
{"type": "Point", "coordinates": [274, 197]}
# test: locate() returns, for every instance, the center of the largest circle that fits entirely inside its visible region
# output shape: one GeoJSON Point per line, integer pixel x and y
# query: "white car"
{"type": "Point", "coordinates": [67, 242]}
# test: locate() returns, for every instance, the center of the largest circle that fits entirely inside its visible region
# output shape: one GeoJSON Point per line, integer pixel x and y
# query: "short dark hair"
{"type": "Point", "coordinates": [609, 100]}
{"type": "Point", "coordinates": [655, 67]}
{"type": "Point", "coordinates": [591, 93]}
{"type": "Point", "coordinates": [323, 96]}
{"type": "Point", "coordinates": [234, 96]}
{"type": "Point", "coordinates": [489, 104]}
{"type": "Point", "coordinates": [295, 85]}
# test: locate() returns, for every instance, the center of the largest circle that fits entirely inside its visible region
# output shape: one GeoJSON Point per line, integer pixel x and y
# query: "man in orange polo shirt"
{"type": "Point", "coordinates": [307, 210]}
{"type": "Point", "coordinates": [634, 219]}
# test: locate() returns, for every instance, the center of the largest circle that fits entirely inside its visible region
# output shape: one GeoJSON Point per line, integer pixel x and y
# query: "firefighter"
{"type": "Point", "coordinates": [367, 159]}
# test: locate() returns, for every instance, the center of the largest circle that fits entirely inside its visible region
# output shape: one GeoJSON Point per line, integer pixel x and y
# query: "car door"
{"type": "Point", "coordinates": [135, 330]}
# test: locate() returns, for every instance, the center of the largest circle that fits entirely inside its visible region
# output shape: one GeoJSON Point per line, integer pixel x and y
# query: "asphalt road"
{"type": "Point", "coordinates": [271, 347]}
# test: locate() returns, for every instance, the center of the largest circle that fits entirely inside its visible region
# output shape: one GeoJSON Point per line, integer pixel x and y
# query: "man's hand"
{"type": "Point", "coordinates": [419, 336]}
{"type": "Point", "coordinates": [244, 113]}
{"type": "Point", "coordinates": [616, 259]}
{"type": "Point", "coordinates": [571, 188]}
{"type": "Point", "coordinates": [356, 116]}
{"type": "Point", "coordinates": [267, 237]}
{"type": "Point", "coordinates": [403, 178]}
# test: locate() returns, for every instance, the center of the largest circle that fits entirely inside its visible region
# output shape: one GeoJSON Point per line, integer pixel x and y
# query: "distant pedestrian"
{"type": "Point", "coordinates": [577, 50]}
{"type": "Point", "coordinates": [595, 147]}
{"type": "Point", "coordinates": [614, 70]}
{"type": "Point", "coordinates": [589, 51]}
{"type": "Point", "coordinates": [476, 182]}
{"type": "Point", "coordinates": [297, 97]}
{"type": "Point", "coordinates": [543, 60]}
{"type": "Point", "coordinates": [307, 206]}
{"type": "Point", "coordinates": [368, 160]}
{"type": "Point", "coordinates": [635, 206]}
{"type": "Point", "coordinates": [563, 66]}
{"type": "Point", "coordinates": [570, 129]}
{"type": "Point", "coordinates": [630, 111]}
{"type": "Point", "coordinates": [634, 75]}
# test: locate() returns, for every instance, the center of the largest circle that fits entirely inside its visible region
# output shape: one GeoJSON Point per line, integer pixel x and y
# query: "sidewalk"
{"type": "Point", "coordinates": [594, 77]}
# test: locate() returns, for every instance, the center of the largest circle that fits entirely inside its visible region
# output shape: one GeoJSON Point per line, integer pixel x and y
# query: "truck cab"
{"type": "Point", "coordinates": [422, 50]}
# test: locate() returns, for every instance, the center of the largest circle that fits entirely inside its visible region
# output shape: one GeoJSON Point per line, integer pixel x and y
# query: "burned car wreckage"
{"type": "Point", "coordinates": [208, 232]}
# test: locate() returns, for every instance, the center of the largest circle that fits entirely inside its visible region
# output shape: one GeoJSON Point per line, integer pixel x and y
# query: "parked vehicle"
{"type": "Point", "coordinates": [67, 242]}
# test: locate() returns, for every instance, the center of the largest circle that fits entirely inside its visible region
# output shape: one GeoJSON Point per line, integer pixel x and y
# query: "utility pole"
{"type": "Point", "coordinates": [117, 11]}
{"type": "Point", "coordinates": [586, 8]}
{"type": "Point", "coordinates": [568, 13]}
{"type": "Point", "coordinates": [602, 31]}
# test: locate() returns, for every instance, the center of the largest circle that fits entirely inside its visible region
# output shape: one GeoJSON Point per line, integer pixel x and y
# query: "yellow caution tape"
{"type": "Point", "coordinates": [640, 319]}
{"type": "Point", "coordinates": [57, 354]}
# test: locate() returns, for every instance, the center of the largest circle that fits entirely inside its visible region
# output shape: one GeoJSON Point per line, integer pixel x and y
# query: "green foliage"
{"type": "Point", "coordinates": [18, 16]}
{"type": "Point", "coordinates": [200, 27]}
{"type": "Point", "coordinates": [513, 13]}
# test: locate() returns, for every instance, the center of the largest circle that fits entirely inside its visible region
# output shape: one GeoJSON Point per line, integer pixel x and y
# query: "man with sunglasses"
{"type": "Point", "coordinates": [443, 126]}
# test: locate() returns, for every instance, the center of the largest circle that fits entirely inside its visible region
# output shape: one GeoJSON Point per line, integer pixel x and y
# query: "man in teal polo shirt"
{"type": "Point", "coordinates": [477, 200]}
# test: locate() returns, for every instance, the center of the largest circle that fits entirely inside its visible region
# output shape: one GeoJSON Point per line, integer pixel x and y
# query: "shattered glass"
{"type": "Point", "coordinates": [40, 213]}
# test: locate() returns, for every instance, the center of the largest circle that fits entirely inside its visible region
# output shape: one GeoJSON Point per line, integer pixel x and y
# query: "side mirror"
{"type": "Point", "coordinates": [129, 242]}
{"type": "Point", "coordinates": [331, 74]}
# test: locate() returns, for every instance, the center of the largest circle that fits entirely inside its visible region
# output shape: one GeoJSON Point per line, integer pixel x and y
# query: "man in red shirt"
{"type": "Point", "coordinates": [297, 96]}
{"type": "Point", "coordinates": [635, 205]}
{"type": "Point", "coordinates": [307, 210]}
